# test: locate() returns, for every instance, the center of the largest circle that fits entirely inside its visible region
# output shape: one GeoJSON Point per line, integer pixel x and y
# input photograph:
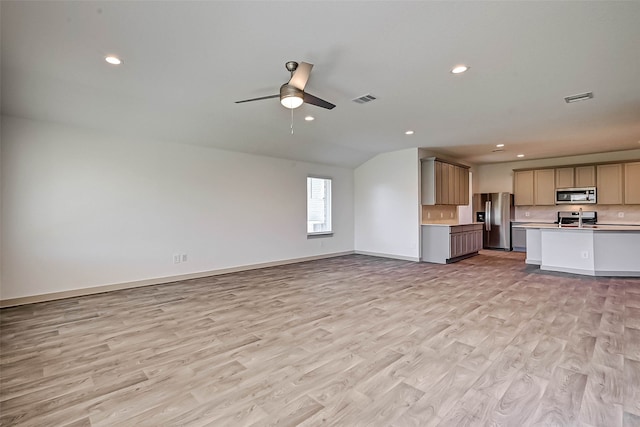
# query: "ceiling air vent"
{"type": "Point", "coordinates": [578, 97]}
{"type": "Point", "coordinates": [364, 99]}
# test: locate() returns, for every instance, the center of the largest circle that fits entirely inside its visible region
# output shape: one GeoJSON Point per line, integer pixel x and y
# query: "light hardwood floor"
{"type": "Point", "coordinates": [348, 341]}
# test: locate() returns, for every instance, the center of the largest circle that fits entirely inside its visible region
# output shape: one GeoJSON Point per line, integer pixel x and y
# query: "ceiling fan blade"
{"type": "Point", "coordinates": [301, 75]}
{"type": "Point", "coordinates": [258, 99]}
{"type": "Point", "coordinates": [314, 100]}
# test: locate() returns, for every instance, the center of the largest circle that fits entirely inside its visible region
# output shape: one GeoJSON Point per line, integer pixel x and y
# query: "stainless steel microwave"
{"type": "Point", "coordinates": [576, 196]}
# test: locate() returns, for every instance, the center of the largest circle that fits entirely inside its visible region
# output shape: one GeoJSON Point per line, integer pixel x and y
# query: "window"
{"type": "Point", "coordinates": [318, 206]}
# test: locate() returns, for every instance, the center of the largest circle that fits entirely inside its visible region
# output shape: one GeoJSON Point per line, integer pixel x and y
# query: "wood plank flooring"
{"type": "Point", "coordinates": [347, 341]}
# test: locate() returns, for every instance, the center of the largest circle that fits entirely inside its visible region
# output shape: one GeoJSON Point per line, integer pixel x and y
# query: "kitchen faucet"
{"type": "Point", "coordinates": [580, 218]}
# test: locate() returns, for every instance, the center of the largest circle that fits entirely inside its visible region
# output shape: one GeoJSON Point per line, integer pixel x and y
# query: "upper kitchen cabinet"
{"type": "Point", "coordinates": [585, 176]}
{"type": "Point", "coordinates": [523, 188]}
{"type": "Point", "coordinates": [534, 187]}
{"type": "Point", "coordinates": [609, 184]}
{"type": "Point", "coordinates": [564, 178]}
{"type": "Point", "coordinates": [580, 176]}
{"type": "Point", "coordinates": [631, 183]}
{"type": "Point", "coordinates": [444, 183]}
{"type": "Point", "coordinates": [544, 187]}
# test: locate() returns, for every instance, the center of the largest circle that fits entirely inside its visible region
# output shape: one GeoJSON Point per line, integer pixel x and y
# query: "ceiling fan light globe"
{"type": "Point", "coordinates": [291, 101]}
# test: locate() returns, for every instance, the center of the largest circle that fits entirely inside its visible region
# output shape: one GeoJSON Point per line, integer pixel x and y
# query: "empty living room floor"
{"type": "Point", "coordinates": [346, 341]}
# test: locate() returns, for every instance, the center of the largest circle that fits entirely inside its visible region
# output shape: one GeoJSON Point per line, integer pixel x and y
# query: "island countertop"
{"type": "Point", "coordinates": [586, 227]}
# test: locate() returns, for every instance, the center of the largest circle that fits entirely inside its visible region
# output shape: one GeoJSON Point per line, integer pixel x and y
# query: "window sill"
{"type": "Point", "coordinates": [320, 235]}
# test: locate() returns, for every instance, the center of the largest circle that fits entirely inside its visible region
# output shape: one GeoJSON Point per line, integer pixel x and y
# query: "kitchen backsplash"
{"type": "Point", "coordinates": [607, 214]}
{"type": "Point", "coordinates": [439, 214]}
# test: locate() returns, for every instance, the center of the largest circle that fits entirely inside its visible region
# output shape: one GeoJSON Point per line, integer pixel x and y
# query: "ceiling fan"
{"type": "Point", "coordinates": [292, 93]}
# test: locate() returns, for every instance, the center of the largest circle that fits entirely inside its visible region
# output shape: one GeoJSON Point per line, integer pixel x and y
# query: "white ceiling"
{"type": "Point", "coordinates": [187, 62]}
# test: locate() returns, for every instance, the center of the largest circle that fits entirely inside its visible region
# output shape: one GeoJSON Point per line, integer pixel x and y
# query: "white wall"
{"type": "Point", "coordinates": [81, 209]}
{"type": "Point", "coordinates": [498, 177]}
{"type": "Point", "coordinates": [387, 205]}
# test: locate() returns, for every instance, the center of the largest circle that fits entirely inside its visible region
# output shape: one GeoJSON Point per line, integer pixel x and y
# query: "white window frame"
{"type": "Point", "coordinates": [327, 208]}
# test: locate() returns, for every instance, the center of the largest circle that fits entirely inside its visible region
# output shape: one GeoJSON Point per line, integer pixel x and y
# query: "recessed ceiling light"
{"type": "Point", "coordinates": [309, 118]}
{"type": "Point", "coordinates": [459, 69]}
{"type": "Point", "coordinates": [520, 155]}
{"type": "Point", "coordinates": [499, 145]}
{"type": "Point", "coordinates": [409, 132]}
{"type": "Point", "coordinates": [113, 60]}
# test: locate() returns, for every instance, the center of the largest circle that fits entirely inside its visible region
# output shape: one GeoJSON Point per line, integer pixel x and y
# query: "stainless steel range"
{"type": "Point", "coordinates": [573, 217]}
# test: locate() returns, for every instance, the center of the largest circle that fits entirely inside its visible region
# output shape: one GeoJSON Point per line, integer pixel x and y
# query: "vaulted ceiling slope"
{"type": "Point", "coordinates": [185, 63]}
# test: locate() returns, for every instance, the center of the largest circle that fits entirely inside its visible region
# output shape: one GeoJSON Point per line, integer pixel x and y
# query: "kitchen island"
{"type": "Point", "coordinates": [594, 250]}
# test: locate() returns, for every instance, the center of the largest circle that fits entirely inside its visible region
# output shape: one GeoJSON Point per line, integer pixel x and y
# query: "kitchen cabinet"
{"type": "Point", "coordinates": [523, 188]}
{"type": "Point", "coordinates": [631, 183]}
{"type": "Point", "coordinates": [609, 184]}
{"type": "Point", "coordinates": [534, 187]}
{"type": "Point", "coordinates": [585, 176]}
{"type": "Point", "coordinates": [564, 177]}
{"type": "Point", "coordinates": [444, 244]}
{"type": "Point", "coordinates": [544, 187]}
{"type": "Point", "coordinates": [444, 183]}
{"type": "Point", "coordinates": [580, 176]}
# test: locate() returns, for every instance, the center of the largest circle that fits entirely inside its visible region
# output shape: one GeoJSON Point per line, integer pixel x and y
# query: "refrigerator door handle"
{"type": "Point", "coordinates": [487, 215]}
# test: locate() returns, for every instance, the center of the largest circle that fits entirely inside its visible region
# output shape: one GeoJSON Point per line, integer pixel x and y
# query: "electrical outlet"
{"type": "Point", "coordinates": [176, 258]}
{"type": "Point", "coordinates": [441, 215]}
{"type": "Point", "coordinates": [184, 257]}
{"type": "Point", "coordinates": [527, 213]}
{"type": "Point", "coordinates": [585, 254]}
{"type": "Point", "coordinates": [451, 213]}
{"type": "Point", "coordinates": [620, 214]}
{"type": "Point", "coordinates": [428, 215]}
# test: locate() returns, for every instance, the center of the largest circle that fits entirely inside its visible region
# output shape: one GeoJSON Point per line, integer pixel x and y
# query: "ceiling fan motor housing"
{"type": "Point", "coordinates": [291, 66]}
{"type": "Point", "coordinates": [289, 91]}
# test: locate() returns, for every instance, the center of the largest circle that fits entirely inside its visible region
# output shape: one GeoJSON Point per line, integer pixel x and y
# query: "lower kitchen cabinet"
{"type": "Point", "coordinates": [444, 244]}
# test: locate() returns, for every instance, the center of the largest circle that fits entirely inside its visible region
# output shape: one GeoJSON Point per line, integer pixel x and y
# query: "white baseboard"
{"type": "Point", "coordinates": [401, 257]}
{"type": "Point", "coordinates": [11, 302]}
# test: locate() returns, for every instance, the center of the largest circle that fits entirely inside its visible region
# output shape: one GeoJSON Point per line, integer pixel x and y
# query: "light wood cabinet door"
{"type": "Point", "coordinates": [585, 176]}
{"type": "Point", "coordinates": [631, 183]}
{"type": "Point", "coordinates": [457, 245]}
{"type": "Point", "coordinates": [464, 186]}
{"type": "Point", "coordinates": [451, 188]}
{"type": "Point", "coordinates": [456, 185]}
{"type": "Point", "coordinates": [437, 182]}
{"type": "Point", "coordinates": [523, 188]}
{"type": "Point", "coordinates": [609, 184]}
{"type": "Point", "coordinates": [478, 239]}
{"type": "Point", "coordinates": [443, 185]}
{"type": "Point", "coordinates": [564, 178]}
{"type": "Point", "coordinates": [544, 187]}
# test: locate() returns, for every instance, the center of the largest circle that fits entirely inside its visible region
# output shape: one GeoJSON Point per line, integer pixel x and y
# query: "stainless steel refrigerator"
{"type": "Point", "coordinates": [496, 210]}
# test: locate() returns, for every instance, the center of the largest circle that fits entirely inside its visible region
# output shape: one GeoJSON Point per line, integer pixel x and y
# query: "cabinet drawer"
{"type": "Point", "coordinates": [456, 229]}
